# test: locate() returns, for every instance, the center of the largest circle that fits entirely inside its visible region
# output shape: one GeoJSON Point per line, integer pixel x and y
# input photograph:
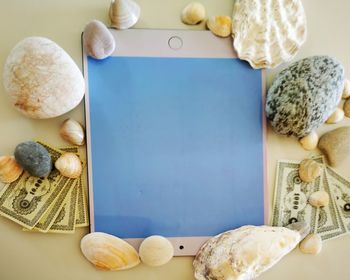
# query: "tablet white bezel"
{"type": "Point", "coordinates": [196, 44]}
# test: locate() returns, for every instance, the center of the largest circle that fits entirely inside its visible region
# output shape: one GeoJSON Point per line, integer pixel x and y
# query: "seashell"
{"type": "Point", "coordinates": [124, 13]}
{"type": "Point", "coordinates": [73, 132]}
{"type": "Point", "coordinates": [41, 79]}
{"type": "Point", "coordinates": [220, 25]}
{"type": "Point", "coordinates": [309, 170]}
{"type": "Point", "coordinates": [302, 227]}
{"type": "Point", "coordinates": [268, 32]}
{"type": "Point", "coordinates": [243, 253]}
{"type": "Point", "coordinates": [309, 142]}
{"type": "Point", "coordinates": [108, 252]}
{"type": "Point", "coordinates": [319, 199]}
{"type": "Point", "coordinates": [98, 41]}
{"type": "Point", "coordinates": [312, 244]}
{"type": "Point", "coordinates": [156, 250]}
{"type": "Point", "coordinates": [346, 90]}
{"type": "Point", "coordinates": [337, 116]}
{"type": "Point", "coordinates": [193, 13]}
{"type": "Point", "coordinates": [346, 108]}
{"type": "Point", "coordinates": [10, 170]}
{"type": "Point", "coordinates": [69, 165]}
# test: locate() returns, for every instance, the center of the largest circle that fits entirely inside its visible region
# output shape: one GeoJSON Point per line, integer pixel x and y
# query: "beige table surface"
{"type": "Point", "coordinates": [39, 256]}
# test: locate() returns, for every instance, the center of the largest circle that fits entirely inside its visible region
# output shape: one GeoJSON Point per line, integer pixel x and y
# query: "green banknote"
{"type": "Point", "coordinates": [82, 213]}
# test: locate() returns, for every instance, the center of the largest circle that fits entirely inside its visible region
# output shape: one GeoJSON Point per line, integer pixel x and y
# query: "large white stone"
{"type": "Point", "coordinates": [41, 79]}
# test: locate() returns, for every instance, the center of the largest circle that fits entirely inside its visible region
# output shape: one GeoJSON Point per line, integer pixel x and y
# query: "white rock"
{"type": "Point", "coordinates": [312, 244]}
{"type": "Point", "coordinates": [41, 79]}
{"type": "Point", "coordinates": [243, 253]}
{"type": "Point", "coordinates": [156, 250]}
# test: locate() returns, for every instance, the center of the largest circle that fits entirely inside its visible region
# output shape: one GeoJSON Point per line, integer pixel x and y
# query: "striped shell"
{"type": "Point", "coordinates": [69, 165]}
{"type": "Point", "coordinates": [268, 32]}
{"type": "Point", "coordinates": [10, 170]}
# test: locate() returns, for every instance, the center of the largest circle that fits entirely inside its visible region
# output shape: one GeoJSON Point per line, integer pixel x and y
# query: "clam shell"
{"type": "Point", "coordinates": [309, 170]}
{"type": "Point", "coordinates": [312, 244]}
{"type": "Point", "coordinates": [10, 170]}
{"type": "Point", "coordinates": [72, 132]}
{"type": "Point", "coordinates": [243, 253]}
{"type": "Point", "coordinates": [268, 32]}
{"type": "Point", "coordinates": [124, 13]}
{"type": "Point", "coordinates": [337, 116]}
{"type": "Point", "coordinates": [108, 252]}
{"type": "Point", "coordinates": [319, 199]}
{"type": "Point", "coordinates": [193, 13]}
{"type": "Point", "coordinates": [156, 250]}
{"type": "Point", "coordinates": [69, 165]}
{"type": "Point", "coordinates": [309, 142]}
{"type": "Point", "coordinates": [220, 25]}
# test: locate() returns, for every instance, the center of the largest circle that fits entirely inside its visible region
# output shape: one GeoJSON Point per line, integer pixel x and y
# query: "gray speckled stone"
{"type": "Point", "coordinates": [33, 158]}
{"type": "Point", "coordinates": [304, 95]}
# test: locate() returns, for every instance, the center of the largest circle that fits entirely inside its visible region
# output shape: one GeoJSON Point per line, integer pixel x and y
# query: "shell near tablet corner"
{"type": "Point", "coordinates": [268, 32]}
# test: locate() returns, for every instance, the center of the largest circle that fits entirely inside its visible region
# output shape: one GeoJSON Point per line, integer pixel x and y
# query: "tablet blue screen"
{"type": "Point", "coordinates": [177, 145]}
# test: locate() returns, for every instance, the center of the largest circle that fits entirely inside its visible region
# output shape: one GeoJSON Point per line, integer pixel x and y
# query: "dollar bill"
{"type": "Point", "coordinates": [82, 213]}
{"type": "Point", "coordinates": [291, 197]}
{"type": "Point", "coordinates": [65, 221]}
{"type": "Point", "coordinates": [341, 191]}
{"type": "Point", "coordinates": [26, 200]}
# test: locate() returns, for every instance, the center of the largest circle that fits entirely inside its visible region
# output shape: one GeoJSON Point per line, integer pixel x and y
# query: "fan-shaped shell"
{"type": "Point", "coordinates": [69, 165]}
{"type": "Point", "coordinates": [10, 170]}
{"type": "Point", "coordinates": [124, 13]}
{"type": "Point", "coordinates": [268, 32]}
{"type": "Point", "coordinates": [108, 252]}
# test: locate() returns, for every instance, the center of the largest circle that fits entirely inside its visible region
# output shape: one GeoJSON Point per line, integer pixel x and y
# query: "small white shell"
{"type": "Point", "coordinates": [319, 199]}
{"type": "Point", "coordinates": [268, 32]}
{"type": "Point", "coordinates": [310, 141]}
{"type": "Point", "coordinates": [309, 170]}
{"type": "Point", "coordinates": [337, 116]}
{"type": "Point", "coordinates": [98, 40]}
{"type": "Point", "coordinates": [346, 90]}
{"type": "Point", "coordinates": [69, 165]}
{"type": "Point", "coordinates": [220, 25]}
{"type": "Point", "coordinates": [108, 252]}
{"type": "Point", "coordinates": [312, 244]}
{"type": "Point", "coordinates": [10, 170]}
{"type": "Point", "coordinates": [124, 13]}
{"type": "Point", "coordinates": [193, 13]}
{"type": "Point", "coordinates": [156, 250]}
{"type": "Point", "coordinates": [73, 132]}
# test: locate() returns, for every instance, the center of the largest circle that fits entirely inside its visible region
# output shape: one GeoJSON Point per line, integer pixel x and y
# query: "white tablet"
{"type": "Point", "coordinates": [176, 138]}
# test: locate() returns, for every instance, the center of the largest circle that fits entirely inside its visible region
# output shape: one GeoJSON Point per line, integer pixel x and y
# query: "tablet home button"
{"type": "Point", "coordinates": [175, 43]}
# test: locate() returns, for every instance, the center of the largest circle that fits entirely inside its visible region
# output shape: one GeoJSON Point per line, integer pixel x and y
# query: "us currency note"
{"type": "Point", "coordinates": [82, 213]}
{"type": "Point", "coordinates": [65, 221]}
{"type": "Point", "coordinates": [341, 191]}
{"type": "Point", "coordinates": [291, 197]}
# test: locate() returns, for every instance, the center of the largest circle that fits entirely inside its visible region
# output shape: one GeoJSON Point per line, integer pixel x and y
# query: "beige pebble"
{"type": "Point", "coordinates": [312, 244]}
{"type": "Point", "coordinates": [156, 250]}
{"type": "Point", "coordinates": [346, 90]}
{"type": "Point", "coordinates": [319, 199]}
{"type": "Point", "coordinates": [337, 116]}
{"type": "Point", "coordinates": [309, 142]}
{"type": "Point", "coordinates": [335, 145]}
{"type": "Point", "coordinates": [193, 13]}
{"type": "Point", "coordinates": [309, 170]}
{"type": "Point", "coordinates": [346, 108]}
{"type": "Point", "coordinates": [220, 25]}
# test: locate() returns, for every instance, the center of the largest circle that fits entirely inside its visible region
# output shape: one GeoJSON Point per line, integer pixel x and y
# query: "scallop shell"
{"type": "Point", "coordinates": [124, 13]}
{"type": "Point", "coordinates": [193, 13]}
{"type": "Point", "coordinates": [243, 253]}
{"type": "Point", "coordinates": [73, 132]}
{"type": "Point", "coordinates": [268, 32]}
{"type": "Point", "coordinates": [69, 165]}
{"type": "Point", "coordinates": [108, 252]}
{"type": "Point", "coordinates": [220, 25]}
{"type": "Point", "coordinates": [10, 170]}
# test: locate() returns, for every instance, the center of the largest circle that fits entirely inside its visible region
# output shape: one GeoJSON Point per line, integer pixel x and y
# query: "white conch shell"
{"type": "Point", "coordinates": [69, 165]}
{"type": "Point", "coordinates": [108, 252]}
{"type": "Point", "coordinates": [73, 132]}
{"type": "Point", "coordinates": [10, 170]}
{"type": "Point", "coordinates": [124, 13]}
{"type": "Point", "coordinates": [268, 32]}
{"type": "Point", "coordinates": [244, 253]}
